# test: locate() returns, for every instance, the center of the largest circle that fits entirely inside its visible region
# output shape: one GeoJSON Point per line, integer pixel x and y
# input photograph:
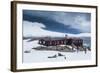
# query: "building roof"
{"type": "Point", "coordinates": [59, 38]}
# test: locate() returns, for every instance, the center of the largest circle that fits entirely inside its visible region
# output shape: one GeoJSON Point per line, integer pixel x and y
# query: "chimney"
{"type": "Point", "coordinates": [66, 36]}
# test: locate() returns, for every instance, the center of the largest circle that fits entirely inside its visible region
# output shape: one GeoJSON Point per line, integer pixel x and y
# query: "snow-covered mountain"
{"type": "Point", "coordinates": [35, 29]}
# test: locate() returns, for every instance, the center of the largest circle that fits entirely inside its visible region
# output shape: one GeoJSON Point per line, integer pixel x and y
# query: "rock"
{"type": "Point", "coordinates": [52, 56]}
{"type": "Point", "coordinates": [64, 57]}
{"type": "Point", "coordinates": [27, 51]}
{"type": "Point", "coordinates": [59, 54]}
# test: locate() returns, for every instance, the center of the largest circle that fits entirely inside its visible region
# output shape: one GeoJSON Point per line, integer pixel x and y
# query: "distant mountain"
{"type": "Point", "coordinates": [35, 29]}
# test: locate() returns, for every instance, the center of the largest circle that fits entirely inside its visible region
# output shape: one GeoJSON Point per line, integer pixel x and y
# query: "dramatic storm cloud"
{"type": "Point", "coordinates": [64, 22]}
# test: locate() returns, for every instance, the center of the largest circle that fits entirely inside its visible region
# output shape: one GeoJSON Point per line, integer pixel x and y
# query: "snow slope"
{"type": "Point", "coordinates": [36, 29]}
{"type": "Point", "coordinates": [42, 56]}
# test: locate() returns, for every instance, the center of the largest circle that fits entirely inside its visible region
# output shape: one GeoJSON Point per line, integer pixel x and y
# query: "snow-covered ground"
{"type": "Point", "coordinates": [42, 56]}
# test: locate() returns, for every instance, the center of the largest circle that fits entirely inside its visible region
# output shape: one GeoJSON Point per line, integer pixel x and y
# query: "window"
{"type": "Point", "coordinates": [43, 42]}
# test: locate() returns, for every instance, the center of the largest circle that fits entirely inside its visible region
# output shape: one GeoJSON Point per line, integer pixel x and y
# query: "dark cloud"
{"type": "Point", "coordinates": [56, 21]}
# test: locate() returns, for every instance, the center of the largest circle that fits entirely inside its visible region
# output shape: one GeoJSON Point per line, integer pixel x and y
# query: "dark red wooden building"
{"type": "Point", "coordinates": [48, 41]}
